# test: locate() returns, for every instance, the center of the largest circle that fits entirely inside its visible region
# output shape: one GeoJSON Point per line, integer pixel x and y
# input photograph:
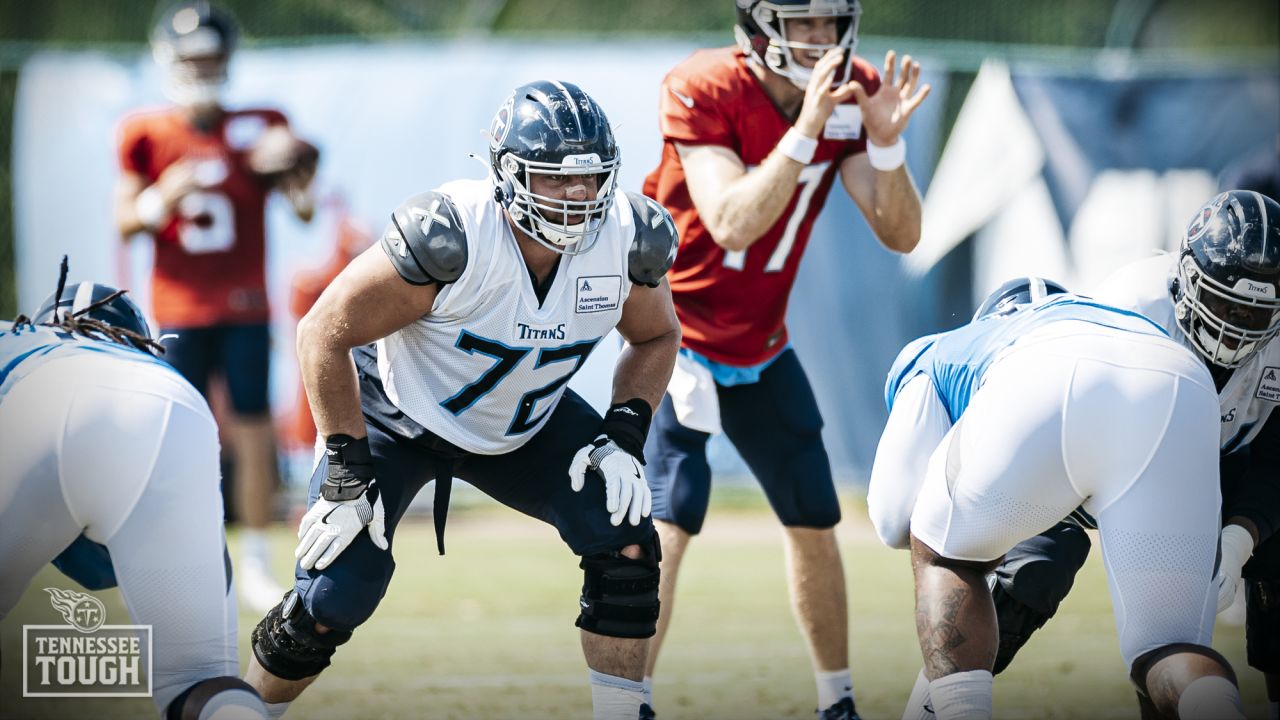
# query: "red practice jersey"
{"type": "Point", "coordinates": [732, 305]}
{"type": "Point", "coordinates": [210, 258]}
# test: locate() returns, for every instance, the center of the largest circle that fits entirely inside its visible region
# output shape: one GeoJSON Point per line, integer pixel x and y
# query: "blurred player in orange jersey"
{"type": "Point", "coordinates": [196, 177]}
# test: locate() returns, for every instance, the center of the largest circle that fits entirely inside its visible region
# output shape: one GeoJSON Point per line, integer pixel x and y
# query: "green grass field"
{"type": "Point", "coordinates": [487, 632]}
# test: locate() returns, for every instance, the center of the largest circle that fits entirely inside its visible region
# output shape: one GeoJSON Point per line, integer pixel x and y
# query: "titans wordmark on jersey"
{"type": "Point", "coordinates": [1253, 390]}
{"type": "Point", "coordinates": [487, 365]}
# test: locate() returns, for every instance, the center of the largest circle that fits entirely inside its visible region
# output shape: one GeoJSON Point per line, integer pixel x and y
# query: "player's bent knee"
{"type": "Point", "coordinates": [215, 698]}
{"type": "Point", "coordinates": [1262, 624]}
{"type": "Point", "coordinates": [893, 529]}
{"type": "Point", "coordinates": [1141, 670]}
{"type": "Point", "coordinates": [620, 594]}
{"type": "Point", "coordinates": [924, 554]}
{"type": "Point", "coordinates": [345, 597]}
{"type": "Point", "coordinates": [287, 644]}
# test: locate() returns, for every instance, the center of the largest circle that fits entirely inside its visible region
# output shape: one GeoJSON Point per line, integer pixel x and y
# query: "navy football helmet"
{"type": "Point", "coordinates": [1227, 293]}
{"type": "Point", "coordinates": [761, 33]}
{"type": "Point", "coordinates": [120, 312]}
{"type": "Point", "coordinates": [553, 128]}
{"type": "Point", "coordinates": [1016, 292]}
{"type": "Point", "coordinates": [193, 42]}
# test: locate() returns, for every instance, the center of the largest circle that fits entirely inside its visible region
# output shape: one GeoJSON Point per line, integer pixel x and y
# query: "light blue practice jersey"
{"type": "Point", "coordinates": [26, 348]}
{"type": "Point", "coordinates": [957, 360]}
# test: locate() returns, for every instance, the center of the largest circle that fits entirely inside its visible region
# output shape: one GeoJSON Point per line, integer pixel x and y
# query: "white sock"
{"type": "Point", "coordinates": [253, 545]}
{"type": "Point", "coordinates": [918, 705]}
{"type": "Point", "coordinates": [275, 711]}
{"type": "Point", "coordinates": [1211, 697]}
{"type": "Point", "coordinates": [833, 686]}
{"type": "Point", "coordinates": [648, 690]}
{"type": "Point", "coordinates": [615, 698]}
{"type": "Point", "coordinates": [962, 695]}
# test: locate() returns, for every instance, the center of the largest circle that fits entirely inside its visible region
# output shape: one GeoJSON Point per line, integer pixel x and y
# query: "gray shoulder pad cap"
{"type": "Point", "coordinates": [653, 249]}
{"type": "Point", "coordinates": [425, 240]}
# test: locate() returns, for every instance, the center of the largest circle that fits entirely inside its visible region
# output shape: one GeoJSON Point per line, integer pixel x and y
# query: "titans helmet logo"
{"type": "Point", "coordinates": [501, 123]}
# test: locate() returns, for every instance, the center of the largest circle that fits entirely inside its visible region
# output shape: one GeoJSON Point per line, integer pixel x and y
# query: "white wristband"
{"type": "Point", "coordinates": [887, 158]}
{"type": "Point", "coordinates": [798, 147]}
{"type": "Point", "coordinates": [149, 207]}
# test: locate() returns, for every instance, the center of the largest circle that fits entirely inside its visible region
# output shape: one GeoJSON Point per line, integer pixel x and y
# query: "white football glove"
{"type": "Point", "coordinates": [625, 490]}
{"type": "Point", "coordinates": [329, 527]}
{"type": "Point", "coordinates": [1236, 546]}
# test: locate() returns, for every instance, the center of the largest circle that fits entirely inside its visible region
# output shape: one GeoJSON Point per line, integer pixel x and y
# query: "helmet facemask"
{"type": "Point", "coordinates": [1227, 325]}
{"type": "Point", "coordinates": [569, 227]}
{"type": "Point", "coordinates": [779, 54]}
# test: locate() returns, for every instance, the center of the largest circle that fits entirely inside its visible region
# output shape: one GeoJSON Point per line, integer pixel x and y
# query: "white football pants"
{"type": "Point", "coordinates": [127, 453]}
{"type": "Point", "coordinates": [1073, 414]}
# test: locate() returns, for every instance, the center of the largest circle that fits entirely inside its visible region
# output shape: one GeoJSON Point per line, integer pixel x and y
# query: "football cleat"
{"type": "Point", "coordinates": [842, 710]}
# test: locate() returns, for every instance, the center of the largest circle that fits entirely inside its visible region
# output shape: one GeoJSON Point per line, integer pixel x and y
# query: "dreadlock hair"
{"type": "Point", "coordinates": [79, 323]}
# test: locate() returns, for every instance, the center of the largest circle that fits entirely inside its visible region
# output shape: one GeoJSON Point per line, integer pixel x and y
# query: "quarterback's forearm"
{"type": "Point", "coordinates": [329, 376]}
{"type": "Point", "coordinates": [751, 204]}
{"type": "Point", "coordinates": [895, 215]}
{"type": "Point", "coordinates": [128, 223]}
{"type": "Point", "coordinates": [644, 369]}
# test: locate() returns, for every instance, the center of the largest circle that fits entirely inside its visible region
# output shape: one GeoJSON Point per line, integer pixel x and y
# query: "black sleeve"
{"type": "Point", "coordinates": [1251, 482]}
{"type": "Point", "coordinates": [425, 240]}
{"type": "Point", "coordinates": [653, 249]}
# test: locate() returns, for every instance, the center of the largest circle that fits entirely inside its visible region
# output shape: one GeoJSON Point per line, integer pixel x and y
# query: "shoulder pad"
{"type": "Point", "coordinates": [653, 249]}
{"type": "Point", "coordinates": [425, 240]}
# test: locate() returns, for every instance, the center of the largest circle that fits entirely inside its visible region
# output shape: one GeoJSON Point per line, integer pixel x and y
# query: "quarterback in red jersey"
{"type": "Point", "coordinates": [196, 178]}
{"type": "Point", "coordinates": [754, 138]}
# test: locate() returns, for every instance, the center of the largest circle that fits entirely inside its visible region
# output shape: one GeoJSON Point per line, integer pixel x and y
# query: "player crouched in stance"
{"type": "Point", "coordinates": [482, 300]}
{"type": "Point", "coordinates": [997, 430]}
{"type": "Point", "coordinates": [104, 443]}
{"type": "Point", "coordinates": [1218, 295]}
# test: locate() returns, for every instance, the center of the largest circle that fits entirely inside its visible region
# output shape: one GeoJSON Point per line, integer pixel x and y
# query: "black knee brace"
{"type": "Point", "coordinates": [620, 595]}
{"type": "Point", "coordinates": [214, 695]}
{"type": "Point", "coordinates": [1262, 624]}
{"type": "Point", "coordinates": [287, 644]}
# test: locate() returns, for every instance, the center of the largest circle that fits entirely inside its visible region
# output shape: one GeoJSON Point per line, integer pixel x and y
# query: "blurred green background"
{"type": "Point", "coordinates": [958, 33]}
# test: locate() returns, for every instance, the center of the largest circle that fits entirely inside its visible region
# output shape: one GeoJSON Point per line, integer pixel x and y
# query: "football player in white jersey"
{"type": "Point", "coordinates": [996, 430]}
{"type": "Point", "coordinates": [467, 322]}
{"type": "Point", "coordinates": [111, 465]}
{"type": "Point", "coordinates": [1218, 296]}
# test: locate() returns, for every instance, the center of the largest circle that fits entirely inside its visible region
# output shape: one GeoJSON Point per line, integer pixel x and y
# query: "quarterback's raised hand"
{"type": "Point", "coordinates": [349, 502]}
{"type": "Point", "coordinates": [886, 113]}
{"type": "Point", "coordinates": [820, 98]}
{"type": "Point", "coordinates": [617, 454]}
